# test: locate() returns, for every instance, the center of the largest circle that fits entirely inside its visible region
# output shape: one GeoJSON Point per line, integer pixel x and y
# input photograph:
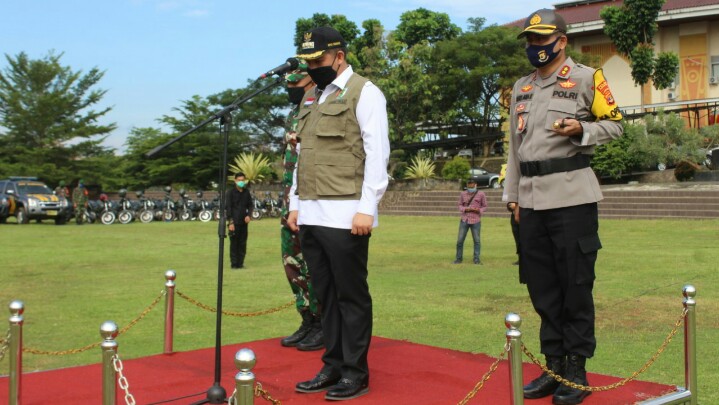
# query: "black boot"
{"type": "Point", "coordinates": [545, 384]}
{"type": "Point", "coordinates": [314, 340]}
{"type": "Point", "coordinates": [576, 373]}
{"type": "Point", "coordinates": [301, 333]}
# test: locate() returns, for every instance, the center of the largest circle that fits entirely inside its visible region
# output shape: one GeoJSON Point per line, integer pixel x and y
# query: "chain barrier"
{"type": "Point", "coordinates": [259, 392]}
{"type": "Point", "coordinates": [4, 344]}
{"type": "Point", "coordinates": [121, 380]}
{"type": "Point", "coordinates": [232, 313]}
{"type": "Point", "coordinates": [619, 383]}
{"type": "Point", "coordinates": [486, 377]}
{"type": "Point", "coordinates": [94, 345]}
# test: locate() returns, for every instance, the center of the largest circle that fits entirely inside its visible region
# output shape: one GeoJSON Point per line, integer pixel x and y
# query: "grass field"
{"type": "Point", "coordinates": [72, 278]}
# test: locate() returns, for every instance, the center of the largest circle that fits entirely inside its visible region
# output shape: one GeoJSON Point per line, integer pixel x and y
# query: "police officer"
{"type": "Point", "coordinates": [558, 114]}
{"type": "Point", "coordinates": [309, 336]}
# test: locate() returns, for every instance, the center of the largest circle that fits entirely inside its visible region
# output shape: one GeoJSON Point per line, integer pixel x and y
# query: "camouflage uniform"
{"type": "Point", "coordinates": [295, 266]}
{"type": "Point", "coordinates": [79, 201]}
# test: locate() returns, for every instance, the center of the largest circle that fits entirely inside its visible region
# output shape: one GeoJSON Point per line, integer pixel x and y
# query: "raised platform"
{"type": "Point", "coordinates": [401, 373]}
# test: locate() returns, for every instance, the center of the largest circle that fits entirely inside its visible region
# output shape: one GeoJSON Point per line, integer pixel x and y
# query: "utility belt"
{"type": "Point", "coordinates": [543, 167]}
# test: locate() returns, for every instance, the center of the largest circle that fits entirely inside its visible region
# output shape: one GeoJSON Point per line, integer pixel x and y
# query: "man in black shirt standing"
{"type": "Point", "coordinates": [238, 213]}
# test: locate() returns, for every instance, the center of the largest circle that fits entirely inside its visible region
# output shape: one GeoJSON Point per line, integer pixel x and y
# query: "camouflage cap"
{"type": "Point", "coordinates": [297, 74]}
{"type": "Point", "coordinates": [544, 22]}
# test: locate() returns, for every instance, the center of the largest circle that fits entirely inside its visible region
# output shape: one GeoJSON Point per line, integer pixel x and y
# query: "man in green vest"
{"type": "Point", "coordinates": [341, 176]}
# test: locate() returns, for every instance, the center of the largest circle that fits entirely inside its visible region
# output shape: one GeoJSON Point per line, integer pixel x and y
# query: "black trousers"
{"type": "Point", "coordinates": [238, 245]}
{"type": "Point", "coordinates": [337, 261]}
{"type": "Point", "coordinates": [558, 251]}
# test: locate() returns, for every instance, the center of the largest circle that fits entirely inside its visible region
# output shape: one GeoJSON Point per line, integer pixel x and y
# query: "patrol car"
{"type": "Point", "coordinates": [27, 198]}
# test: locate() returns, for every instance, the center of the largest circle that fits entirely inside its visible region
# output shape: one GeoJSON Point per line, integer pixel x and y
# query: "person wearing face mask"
{"type": "Point", "coordinates": [558, 115]}
{"type": "Point", "coordinates": [238, 214]}
{"type": "Point", "coordinates": [472, 203]}
{"type": "Point", "coordinates": [309, 336]}
{"type": "Point", "coordinates": [340, 178]}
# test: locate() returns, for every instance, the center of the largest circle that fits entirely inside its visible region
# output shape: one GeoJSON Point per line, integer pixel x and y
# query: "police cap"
{"type": "Point", "coordinates": [544, 22]}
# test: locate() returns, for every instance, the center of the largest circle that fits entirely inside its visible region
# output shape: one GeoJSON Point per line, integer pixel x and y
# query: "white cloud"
{"type": "Point", "coordinates": [197, 13]}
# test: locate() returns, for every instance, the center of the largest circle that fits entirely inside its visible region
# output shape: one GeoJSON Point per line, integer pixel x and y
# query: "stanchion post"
{"type": "Point", "coordinates": [690, 342]}
{"type": "Point", "coordinates": [245, 379]}
{"type": "Point", "coordinates": [170, 277]}
{"type": "Point", "coordinates": [108, 331]}
{"type": "Point", "coordinates": [15, 352]}
{"type": "Point", "coordinates": [514, 350]}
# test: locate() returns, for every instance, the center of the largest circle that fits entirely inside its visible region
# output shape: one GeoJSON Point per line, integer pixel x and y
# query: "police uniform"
{"type": "Point", "coordinates": [549, 176]}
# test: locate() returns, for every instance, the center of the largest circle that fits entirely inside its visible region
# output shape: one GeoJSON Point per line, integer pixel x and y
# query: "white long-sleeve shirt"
{"type": "Point", "coordinates": [372, 118]}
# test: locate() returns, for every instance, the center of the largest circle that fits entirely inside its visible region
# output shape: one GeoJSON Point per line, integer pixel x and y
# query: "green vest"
{"type": "Point", "coordinates": [332, 157]}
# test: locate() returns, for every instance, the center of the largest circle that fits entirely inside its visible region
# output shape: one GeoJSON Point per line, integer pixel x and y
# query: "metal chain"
{"type": "Point", "coordinates": [232, 400]}
{"type": "Point", "coordinates": [94, 345]}
{"type": "Point", "coordinates": [486, 377]}
{"type": "Point", "coordinates": [121, 380]}
{"type": "Point", "coordinates": [231, 313]}
{"type": "Point", "coordinates": [619, 383]}
{"type": "Point", "coordinates": [259, 392]}
{"type": "Point", "coordinates": [4, 344]}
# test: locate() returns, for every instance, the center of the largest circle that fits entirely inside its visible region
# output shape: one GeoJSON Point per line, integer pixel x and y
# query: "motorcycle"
{"type": "Point", "coordinates": [168, 206]}
{"type": "Point", "coordinates": [204, 209]}
{"type": "Point", "coordinates": [216, 208]}
{"type": "Point", "coordinates": [146, 211]}
{"type": "Point", "coordinates": [185, 207]}
{"type": "Point", "coordinates": [271, 206]}
{"type": "Point", "coordinates": [127, 211]}
{"type": "Point", "coordinates": [258, 210]}
{"type": "Point", "coordinates": [108, 215]}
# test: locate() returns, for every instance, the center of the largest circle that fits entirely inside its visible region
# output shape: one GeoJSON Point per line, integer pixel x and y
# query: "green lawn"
{"type": "Point", "coordinates": [72, 278]}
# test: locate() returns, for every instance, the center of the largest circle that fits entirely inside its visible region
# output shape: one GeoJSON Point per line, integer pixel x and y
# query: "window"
{"type": "Point", "coordinates": [714, 71]}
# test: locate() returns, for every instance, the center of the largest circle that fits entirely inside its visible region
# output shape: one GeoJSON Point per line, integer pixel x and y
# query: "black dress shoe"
{"type": "Point", "coordinates": [545, 385]}
{"type": "Point", "coordinates": [321, 382]}
{"type": "Point", "coordinates": [347, 389]}
{"type": "Point", "coordinates": [313, 341]}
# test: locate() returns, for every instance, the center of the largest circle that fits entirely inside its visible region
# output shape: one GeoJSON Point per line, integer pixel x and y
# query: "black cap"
{"type": "Point", "coordinates": [317, 41]}
{"type": "Point", "coordinates": [544, 22]}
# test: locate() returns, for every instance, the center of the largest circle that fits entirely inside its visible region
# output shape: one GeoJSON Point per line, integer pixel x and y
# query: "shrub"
{"type": "Point", "coordinates": [456, 169]}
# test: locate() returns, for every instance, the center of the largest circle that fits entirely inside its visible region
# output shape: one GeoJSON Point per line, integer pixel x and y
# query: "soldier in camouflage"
{"type": "Point", "coordinates": [79, 201]}
{"type": "Point", "coordinates": [309, 336]}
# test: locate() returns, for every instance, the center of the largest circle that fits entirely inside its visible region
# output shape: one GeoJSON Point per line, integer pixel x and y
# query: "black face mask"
{"type": "Point", "coordinates": [323, 75]}
{"type": "Point", "coordinates": [295, 94]}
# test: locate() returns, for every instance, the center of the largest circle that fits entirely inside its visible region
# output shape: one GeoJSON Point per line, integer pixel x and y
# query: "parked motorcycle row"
{"type": "Point", "coordinates": [146, 210]}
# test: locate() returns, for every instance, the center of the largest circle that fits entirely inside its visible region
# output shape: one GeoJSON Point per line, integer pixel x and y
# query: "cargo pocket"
{"type": "Point", "coordinates": [589, 245]}
{"type": "Point", "coordinates": [559, 109]}
{"type": "Point", "coordinates": [335, 174]}
{"type": "Point", "coordinates": [332, 124]}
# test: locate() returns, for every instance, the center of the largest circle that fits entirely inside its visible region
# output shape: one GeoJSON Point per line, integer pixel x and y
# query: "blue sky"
{"type": "Point", "coordinates": [156, 53]}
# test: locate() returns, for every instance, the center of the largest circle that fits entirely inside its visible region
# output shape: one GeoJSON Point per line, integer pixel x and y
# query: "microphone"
{"type": "Point", "coordinates": [290, 64]}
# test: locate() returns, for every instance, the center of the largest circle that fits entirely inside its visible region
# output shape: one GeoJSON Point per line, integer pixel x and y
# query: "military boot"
{"type": "Point", "coordinates": [577, 374]}
{"type": "Point", "coordinates": [315, 339]}
{"type": "Point", "coordinates": [545, 384]}
{"type": "Point", "coordinates": [301, 333]}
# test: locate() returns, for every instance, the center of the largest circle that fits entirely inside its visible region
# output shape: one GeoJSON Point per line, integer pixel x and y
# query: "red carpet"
{"type": "Point", "coordinates": [402, 373]}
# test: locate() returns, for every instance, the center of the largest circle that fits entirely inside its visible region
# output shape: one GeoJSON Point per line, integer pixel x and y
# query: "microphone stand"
{"type": "Point", "coordinates": [216, 394]}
